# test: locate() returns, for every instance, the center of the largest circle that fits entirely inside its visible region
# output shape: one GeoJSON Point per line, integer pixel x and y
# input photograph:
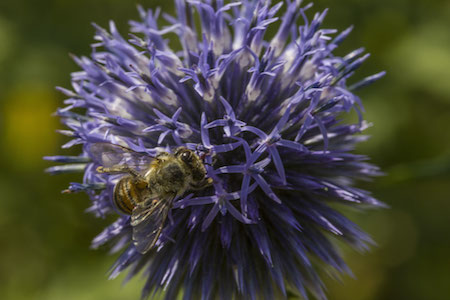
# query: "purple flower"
{"type": "Point", "coordinates": [265, 110]}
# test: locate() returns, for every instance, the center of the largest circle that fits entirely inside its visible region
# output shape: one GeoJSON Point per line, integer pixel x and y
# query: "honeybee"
{"type": "Point", "coordinates": [149, 185]}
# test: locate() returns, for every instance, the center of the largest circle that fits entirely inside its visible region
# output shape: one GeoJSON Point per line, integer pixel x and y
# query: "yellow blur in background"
{"type": "Point", "coordinates": [28, 133]}
{"type": "Point", "coordinates": [45, 236]}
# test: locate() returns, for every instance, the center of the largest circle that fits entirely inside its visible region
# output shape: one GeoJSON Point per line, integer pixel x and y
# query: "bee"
{"type": "Point", "coordinates": [149, 185]}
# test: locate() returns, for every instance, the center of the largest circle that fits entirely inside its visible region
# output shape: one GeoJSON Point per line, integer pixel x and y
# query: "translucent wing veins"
{"type": "Point", "coordinates": [110, 155]}
{"type": "Point", "coordinates": [148, 223]}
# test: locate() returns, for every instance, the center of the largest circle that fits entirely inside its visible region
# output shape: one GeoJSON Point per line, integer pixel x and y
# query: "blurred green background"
{"type": "Point", "coordinates": [45, 236]}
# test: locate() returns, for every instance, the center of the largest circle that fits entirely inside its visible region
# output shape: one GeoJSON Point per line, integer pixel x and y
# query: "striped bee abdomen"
{"type": "Point", "coordinates": [126, 195]}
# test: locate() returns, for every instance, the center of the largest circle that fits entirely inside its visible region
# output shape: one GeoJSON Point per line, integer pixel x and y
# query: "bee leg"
{"type": "Point", "coordinates": [202, 184]}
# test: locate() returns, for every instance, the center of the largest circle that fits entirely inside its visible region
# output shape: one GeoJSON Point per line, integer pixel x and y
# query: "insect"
{"type": "Point", "coordinates": [149, 185]}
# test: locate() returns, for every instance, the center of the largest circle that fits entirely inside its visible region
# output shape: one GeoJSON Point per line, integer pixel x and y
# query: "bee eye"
{"type": "Point", "coordinates": [186, 156]}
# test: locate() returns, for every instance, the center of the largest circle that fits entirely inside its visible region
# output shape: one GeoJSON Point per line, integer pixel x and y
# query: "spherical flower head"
{"type": "Point", "coordinates": [261, 101]}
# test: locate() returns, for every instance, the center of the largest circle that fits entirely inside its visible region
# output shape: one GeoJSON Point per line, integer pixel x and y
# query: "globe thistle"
{"type": "Point", "coordinates": [261, 99]}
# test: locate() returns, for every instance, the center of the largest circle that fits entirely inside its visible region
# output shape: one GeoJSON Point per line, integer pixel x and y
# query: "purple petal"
{"type": "Point", "coordinates": [278, 163]}
{"type": "Point", "coordinates": [236, 214]}
{"type": "Point", "coordinates": [292, 145]}
{"type": "Point", "coordinates": [204, 132]}
{"type": "Point", "coordinates": [266, 188]}
{"type": "Point", "coordinates": [230, 169]}
{"type": "Point", "coordinates": [210, 217]}
{"type": "Point", "coordinates": [244, 193]}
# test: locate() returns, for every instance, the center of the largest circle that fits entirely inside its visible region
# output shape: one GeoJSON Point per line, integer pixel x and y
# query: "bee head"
{"type": "Point", "coordinates": [184, 154]}
{"type": "Point", "coordinates": [193, 162]}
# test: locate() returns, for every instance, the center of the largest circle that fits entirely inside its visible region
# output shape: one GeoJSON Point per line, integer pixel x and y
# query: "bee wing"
{"type": "Point", "coordinates": [148, 223]}
{"type": "Point", "coordinates": [109, 155]}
